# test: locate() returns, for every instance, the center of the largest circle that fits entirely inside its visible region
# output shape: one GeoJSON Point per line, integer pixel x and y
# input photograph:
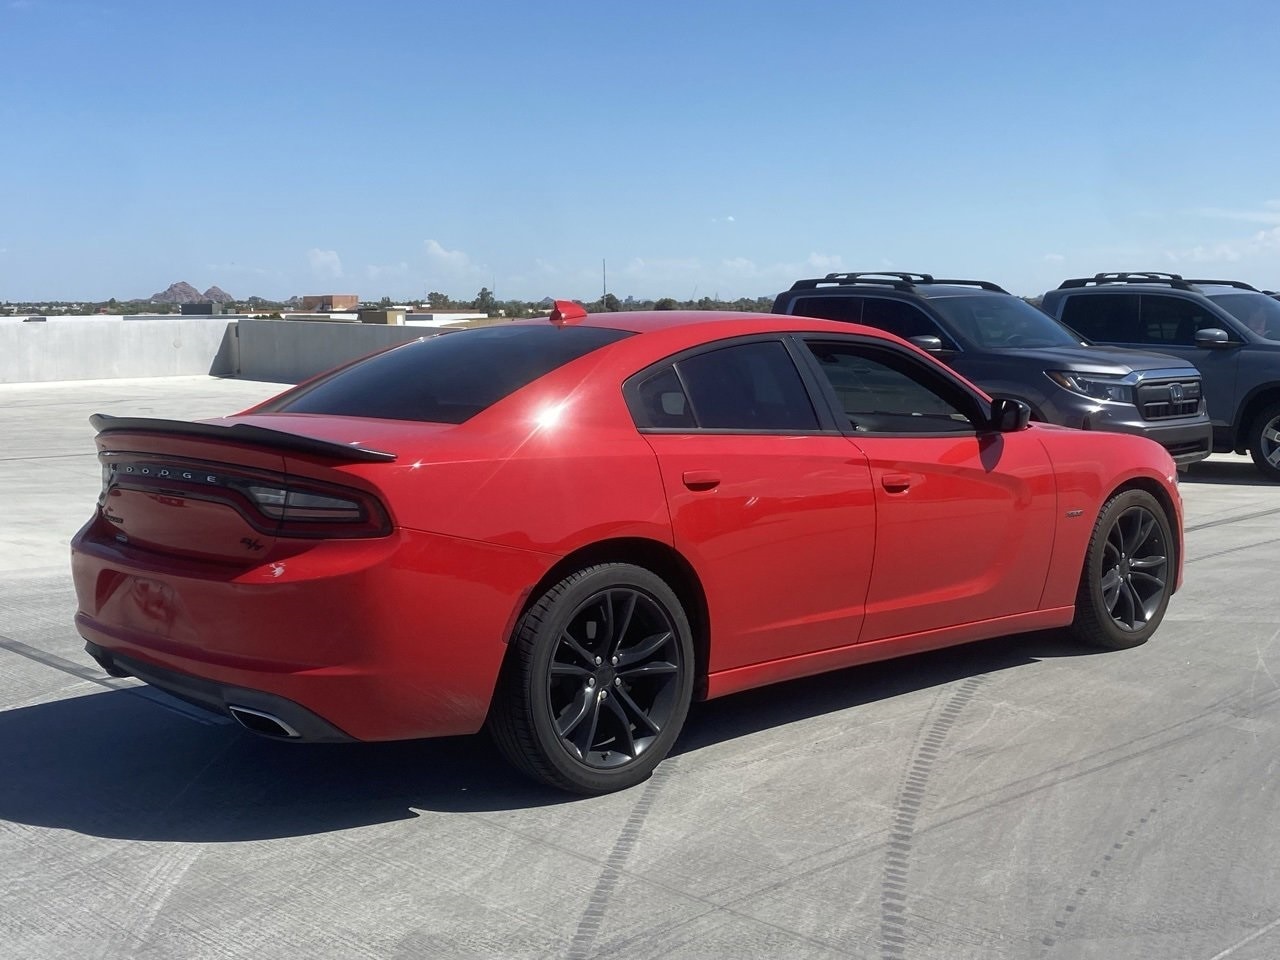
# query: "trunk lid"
{"type": "Point", "coordinates": [233, 491]}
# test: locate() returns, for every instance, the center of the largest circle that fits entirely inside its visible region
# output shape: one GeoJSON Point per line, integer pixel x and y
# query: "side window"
{"type": "Point", "coordinates": [662, 402]}
{"type": "Point", "coordinates": [1173, 320]}
{"type": "Point", "coordinates": [844, 309]}
{"type": "Point", "coordinates": [881, 391]}
{"type": "Point", "coordinates": [749, 386]}
{"type": "Point", "coordinates": [901, 319]}
{"type": "Point", "coordinates": [1104, 317]}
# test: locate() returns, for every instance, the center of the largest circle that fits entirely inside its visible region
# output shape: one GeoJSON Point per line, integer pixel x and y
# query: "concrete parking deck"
{"type": "Point", "coordinates": [1019, 798]}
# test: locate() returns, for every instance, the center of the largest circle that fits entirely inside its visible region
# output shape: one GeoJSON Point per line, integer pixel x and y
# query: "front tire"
{"type": "Point", "coordinates": [598, 681]}
{"type": "Point", "coordinates": [1128, 575]}
{"type": "Point", "coordinates": [1264, 442]}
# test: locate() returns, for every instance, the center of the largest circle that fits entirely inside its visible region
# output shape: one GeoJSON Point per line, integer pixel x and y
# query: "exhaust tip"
{"type": "Point", "coordinates": [262, 723]}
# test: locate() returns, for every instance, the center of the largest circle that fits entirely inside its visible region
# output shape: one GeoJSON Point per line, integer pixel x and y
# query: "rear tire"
{"type": "Point", "coordinates": [1264, 442]}
{"type": "Point", "coordinates": [1129, 572]}
{"type": "Point", "coordinates": [597, 682]}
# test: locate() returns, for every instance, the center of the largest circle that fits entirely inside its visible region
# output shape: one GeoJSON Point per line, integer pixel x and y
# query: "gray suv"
{"type": "Point", "coordinates": [1011, 349]}
{"type": "Point", "coordinates": [1228, 329]}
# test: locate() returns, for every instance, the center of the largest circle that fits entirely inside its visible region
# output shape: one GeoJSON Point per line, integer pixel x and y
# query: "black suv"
{"type": "Point", "coordinates": [1228, 329]}
{"type": "Point", "coordinates": [1011, 349]}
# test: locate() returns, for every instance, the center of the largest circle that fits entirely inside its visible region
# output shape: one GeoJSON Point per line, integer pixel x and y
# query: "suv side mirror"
{"type": "Point", "coordinates": [928, 343]}
{"type": "Point", "coordinates": [1212, 337]}
{"type": "Point", "coordinates": [1009, 416]}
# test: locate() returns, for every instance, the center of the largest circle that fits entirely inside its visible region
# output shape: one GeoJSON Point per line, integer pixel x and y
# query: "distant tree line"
{"type": "Point", "coordinates": [484, 302]}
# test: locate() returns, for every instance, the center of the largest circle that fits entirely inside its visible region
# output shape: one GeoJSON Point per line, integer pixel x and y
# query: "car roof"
{"type": "Point", "coordinates": [710, 324]}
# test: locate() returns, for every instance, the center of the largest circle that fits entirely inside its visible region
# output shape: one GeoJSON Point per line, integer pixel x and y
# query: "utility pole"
{"type": "Point", "coordinates": [604, 282]}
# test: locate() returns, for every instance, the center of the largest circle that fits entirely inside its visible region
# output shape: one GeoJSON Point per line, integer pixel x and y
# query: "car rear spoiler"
{"type": "Point", "coordinates": [245, 433]}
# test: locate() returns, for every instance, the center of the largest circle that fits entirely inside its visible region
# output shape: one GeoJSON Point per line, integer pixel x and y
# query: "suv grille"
{"type": "Point", "coordinates": [1169, 399]}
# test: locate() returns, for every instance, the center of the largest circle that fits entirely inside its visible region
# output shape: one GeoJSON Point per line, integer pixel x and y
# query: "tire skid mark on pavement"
{"type": "Point", "coordinates": [907, 806]}
{"type": "Point", "coordinates": [1114, 850]}
{"type": "Point", "coordinates": [1230, 550]}
{"type": "Point", "coordinates": [592, 918]}
{"type": "Point", "coordinates": [145, 904]}
{"type": "Point", "coordinates": [1223, 521]}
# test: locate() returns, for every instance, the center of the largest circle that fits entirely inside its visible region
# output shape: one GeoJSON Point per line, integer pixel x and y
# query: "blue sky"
{"type": "Point", "coordinates": [278, 147]}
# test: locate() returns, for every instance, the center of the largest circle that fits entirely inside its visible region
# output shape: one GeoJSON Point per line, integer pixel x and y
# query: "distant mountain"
{"type": "Point", "coordinates": [181, 292]}
{"type": "Point", "coordinates": [218, 295]}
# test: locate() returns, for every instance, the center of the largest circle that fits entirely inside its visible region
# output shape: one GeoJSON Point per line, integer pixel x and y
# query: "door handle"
{"type": "Point", "coordinates": [701, 479]}
{"type": "Point", "coordinates": [896, 482]}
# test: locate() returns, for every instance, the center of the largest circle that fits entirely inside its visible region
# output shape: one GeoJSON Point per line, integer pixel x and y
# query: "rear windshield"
{"type": "Point", "coordinates": [447, 378]}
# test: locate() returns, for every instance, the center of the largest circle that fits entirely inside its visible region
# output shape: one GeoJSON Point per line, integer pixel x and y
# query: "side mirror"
{"type": "Point", "coordinates": [1009, 416]}
{"type": "Point", "coordinates": [928, 343]}
{"type": "Point", "coordinates": [1212, 337]}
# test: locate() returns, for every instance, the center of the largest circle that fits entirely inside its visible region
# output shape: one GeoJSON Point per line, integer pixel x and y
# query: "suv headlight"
{"type": "Point", "coordinates": [1096, 386]}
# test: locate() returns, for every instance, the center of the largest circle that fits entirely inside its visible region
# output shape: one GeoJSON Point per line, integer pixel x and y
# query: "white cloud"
{"type": "Point", "coordinates": [454, 261]}
{"type": "Point", "coordinates": [1230, 251]}
{"type": "Point", "coordinates": [1053, 258]}
{"type": "Point", "coordinates": [325, 263]}
{"type": "Point", "coordinates": [385, 271]}
{"type": "Point", "coordinates": [820, 261]}
{"type": "Point", "coordinates": [740, 266]}
{"type": "Point", "coordinates": [724, 220]}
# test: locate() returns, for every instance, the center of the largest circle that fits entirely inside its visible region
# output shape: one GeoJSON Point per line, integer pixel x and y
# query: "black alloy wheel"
{"type": "Point", "coordinates": [598, 682]}
{"type": "Point", "coordinates": [1128, 574]}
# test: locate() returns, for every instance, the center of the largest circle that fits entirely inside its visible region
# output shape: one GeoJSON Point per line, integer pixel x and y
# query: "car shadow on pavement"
{"type": "Point", "coordinates": [1236, 473]}
{"type": "Point", "coordinates": [114, 764]}
{"type": "Point", "coordinates": [764, 707]}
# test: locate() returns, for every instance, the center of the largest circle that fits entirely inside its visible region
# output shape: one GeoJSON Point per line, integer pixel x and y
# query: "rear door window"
{"type": "Point", "coordinates": [1104, 317]}
{"type": "Point", "coordinates": [844, 309]}
{"type": "Point", "coordinates": [752, 386]}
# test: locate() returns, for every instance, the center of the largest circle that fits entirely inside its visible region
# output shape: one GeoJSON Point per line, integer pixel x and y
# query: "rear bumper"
{"type": "Point", "coordinates": [220, 698]}
{"type": "Point", "coordinates": [392, 639]}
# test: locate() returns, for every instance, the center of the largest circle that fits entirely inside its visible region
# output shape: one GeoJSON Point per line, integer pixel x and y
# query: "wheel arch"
{"type": "Point", "coordinates": [657, 557]}
{"type": "Point", "coordinates": [1250, 410]}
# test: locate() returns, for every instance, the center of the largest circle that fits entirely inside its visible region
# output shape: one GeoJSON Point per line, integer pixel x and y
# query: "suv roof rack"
{"type": "Point", "coordinates": [1129, 274]}
{"type": "Point", "coordinates": [1238, 284]}
{"type": "Point", "coordinates": [1174, 280]}
{"type": "Point", "coordinates": [849, 279]}
{"type": "Point", "coordinates": [1098, 279]}
{"type": "Point", "coordinates": [896, 280]}
{"type": "Point", "coordinates": [984, 284]}
{"type": "Point", "coordinates": [909, 277]}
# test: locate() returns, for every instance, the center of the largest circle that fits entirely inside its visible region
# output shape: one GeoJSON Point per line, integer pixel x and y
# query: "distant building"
{"type": "Point", "coordinates": [330, 302]}
{"type": "Point", "coordinates": [201, 309]}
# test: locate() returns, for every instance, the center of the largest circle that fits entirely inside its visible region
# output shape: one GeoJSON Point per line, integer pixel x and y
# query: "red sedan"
{"type": "Point", "coordinates": [566, 529]}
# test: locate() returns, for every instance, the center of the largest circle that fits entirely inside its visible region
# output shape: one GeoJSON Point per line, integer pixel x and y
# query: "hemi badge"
{"type": "Point", "coordinates": [1072, 514]}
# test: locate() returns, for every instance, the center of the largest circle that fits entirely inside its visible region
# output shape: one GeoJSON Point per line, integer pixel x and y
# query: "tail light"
{"type": "Point", "coordinates": [273, 504]}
